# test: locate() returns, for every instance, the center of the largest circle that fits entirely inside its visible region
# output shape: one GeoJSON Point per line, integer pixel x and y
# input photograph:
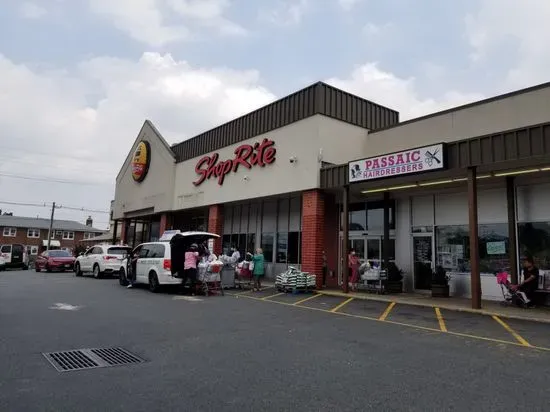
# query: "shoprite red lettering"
{"type": "Point", "coordinates": [259, 154]}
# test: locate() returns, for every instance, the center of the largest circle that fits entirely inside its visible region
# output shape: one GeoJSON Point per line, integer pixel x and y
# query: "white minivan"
{"type": "Point", "coordinates": [14, 256]}
{"type": "Point", "coordinates": [152, 262]}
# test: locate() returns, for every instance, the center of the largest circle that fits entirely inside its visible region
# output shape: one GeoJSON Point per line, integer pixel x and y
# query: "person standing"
{"type": "Point", "coordinates": [353, 264]}
{"type": "Point", "coordinates": [530, 279]}
{"type": "Point", "coordinates": [190, 267]}
{"type": "Point", "coordinates": [258, 270]}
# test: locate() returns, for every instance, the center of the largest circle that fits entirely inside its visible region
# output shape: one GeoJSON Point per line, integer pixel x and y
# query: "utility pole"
{"type": "Point", "coordinates": [51, 227]}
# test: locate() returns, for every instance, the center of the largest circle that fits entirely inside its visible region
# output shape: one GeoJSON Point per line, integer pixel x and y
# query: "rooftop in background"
{"type": "Point", "coordinates": [319, 98]}
{"type": "Point", "coordinates": [40, 223]}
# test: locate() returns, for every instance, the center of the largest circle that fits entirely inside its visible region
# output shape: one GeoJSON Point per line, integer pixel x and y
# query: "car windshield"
{"type": "Point", "coordinates": [118, 250]}
{"type": "Point", "coordinates": [59, 253]}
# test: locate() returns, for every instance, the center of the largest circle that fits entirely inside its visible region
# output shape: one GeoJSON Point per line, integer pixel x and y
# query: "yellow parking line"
{"type": "Point", "coordinates": [512, 331]}
{"type": "Point", "coordinates": [440, 319]}
{"type": "Point", "coordinates": [308, 298]}
{"type": "Point", "coordinates": [341, 305]}
{"type": "Point", "coordinates": [387, 311]}
{"type": "Point", "coordinates": [408, 325]}
{"type": "Point", "coordinates": [272, 296]}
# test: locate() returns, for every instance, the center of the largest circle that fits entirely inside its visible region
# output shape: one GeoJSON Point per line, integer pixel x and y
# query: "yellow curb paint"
{"type": "Point", "coordinates": [272, 296]}
{"type": "Point", "coordinates": [341, 305]}
{"type": "Point", "coordinates": [512, 331]}
{"type": "Point", "coordinates": [386, 312]}
{"type": "Point", "coordinates": [306, 299]}
{"type": "Point", "coordinates": [391, 322]}
{"type": "Point", "coordinates": [440, 319]}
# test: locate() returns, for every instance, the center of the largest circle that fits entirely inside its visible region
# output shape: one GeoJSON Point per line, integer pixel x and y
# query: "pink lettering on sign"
{"type": "Point", "coordinates": [259, 154]}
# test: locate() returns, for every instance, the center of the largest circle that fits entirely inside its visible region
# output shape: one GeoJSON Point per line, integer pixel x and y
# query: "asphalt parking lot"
{"type": "Point", "coordinates": [256, 351]}
{"type": "Point", "coordinates": [530, 334]}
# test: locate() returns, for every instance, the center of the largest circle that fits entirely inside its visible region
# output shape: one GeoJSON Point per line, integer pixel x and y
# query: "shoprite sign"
{"type": "Point", "coordinates": [259, 154]}
{"type": "Point", "coordinates": [417, 160]}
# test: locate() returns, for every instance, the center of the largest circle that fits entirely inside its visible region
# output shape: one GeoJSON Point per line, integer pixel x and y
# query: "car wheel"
{"type": "Point", "coordinates": [48, 269]}
{"type": "Point", "coordinates": [122, 280]}
{"type": "Point", "coordinates": [154, 285]}
{"type": "Point", "coordinates": [77, 270]}
{"type": "Point", "coordinates": [37, 268]}
{"type": "Point", "coordinates": [97, 272]}
{"type": "Point", "coordinates": [25, 267]}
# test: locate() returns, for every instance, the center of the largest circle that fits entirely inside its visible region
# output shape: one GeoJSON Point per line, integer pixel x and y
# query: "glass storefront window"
{"type": "Point", "coordinates": [534, 239]}
{"type": "Point", "coordinates": [251, 243]}
{"type": "Point", "coordinates": [282, 244]}
{"type": "Point", "coordinates": [369, 216]}
{"type": "Point", "coordinates": [453, 248]}
{"type": "Point", "coordinates": [293, 254]}
{"type": "Point", "coordinates": [267, 246]}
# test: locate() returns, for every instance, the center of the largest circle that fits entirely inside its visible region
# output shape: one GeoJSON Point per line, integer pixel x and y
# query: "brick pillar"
{"type": "Point", "coordinates": [313, 233]}
{"type": "Point", "coordinates": [163, 223]}
{"type": "Point", "coordinates": [215, 225]}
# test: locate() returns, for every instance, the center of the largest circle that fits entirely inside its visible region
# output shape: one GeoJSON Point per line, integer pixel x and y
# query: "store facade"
{"type": "Point", "coordinates": [466, 189]}
{"type": "Point", "coordinates": [254, 180]}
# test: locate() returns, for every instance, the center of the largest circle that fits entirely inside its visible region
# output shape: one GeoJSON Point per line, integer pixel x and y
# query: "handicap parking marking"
{"type": "Point", "coordinates": [65, 306]}
{"type": "Point", "coordinates": [187, 298]}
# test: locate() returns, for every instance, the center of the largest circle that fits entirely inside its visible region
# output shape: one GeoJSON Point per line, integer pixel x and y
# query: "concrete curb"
{"type": "Point", "coordinates": [430, 305]}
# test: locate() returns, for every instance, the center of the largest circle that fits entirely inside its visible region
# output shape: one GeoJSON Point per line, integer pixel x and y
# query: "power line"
{"type": "Point", "coordinates": [41, 164]}
{"type": "Point", "coordinates": [57, 206]}
{"type": "Point", "coordinates": [42, 153]}
{"type": "Point", "coordinates": [50, 180]}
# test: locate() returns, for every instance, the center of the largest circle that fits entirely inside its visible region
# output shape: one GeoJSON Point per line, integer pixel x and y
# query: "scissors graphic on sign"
{"type": "Point", "coordinates": [431, 157]}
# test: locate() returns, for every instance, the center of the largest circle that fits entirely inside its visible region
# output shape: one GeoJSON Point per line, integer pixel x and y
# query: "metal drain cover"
{"type": "Point", "coordinates": [79, 359]}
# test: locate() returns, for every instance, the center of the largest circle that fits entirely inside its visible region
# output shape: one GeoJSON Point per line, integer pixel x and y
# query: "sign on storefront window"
{"type": "Point", "coordinates": [406, 162]}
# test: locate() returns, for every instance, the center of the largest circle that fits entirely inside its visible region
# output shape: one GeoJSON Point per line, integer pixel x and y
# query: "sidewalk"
{"type": "Point", "coordinates": [490, 308]}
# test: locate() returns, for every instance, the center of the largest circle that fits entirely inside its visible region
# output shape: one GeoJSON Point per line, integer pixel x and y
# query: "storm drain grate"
{"type": "Point", "coordinates": [80, 359]}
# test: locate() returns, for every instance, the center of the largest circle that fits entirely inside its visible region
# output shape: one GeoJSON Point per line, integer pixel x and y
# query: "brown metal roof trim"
{"type": "Point", "coordinates": [319, 98]}
{"type": "Point", "coordinates": [521, 146]}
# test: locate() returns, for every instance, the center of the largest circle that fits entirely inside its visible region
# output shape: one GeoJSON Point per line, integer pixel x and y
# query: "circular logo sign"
{"type": "Point", "coordinates": [141, 160]}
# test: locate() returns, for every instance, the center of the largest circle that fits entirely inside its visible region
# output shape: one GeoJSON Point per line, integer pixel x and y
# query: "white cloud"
{"type": "Point", "coordinates": [517, 36]}
{"type": "Point", "coordinates": [374, 84]}
{"type": "Point", "coordinates": [286, 13]}
{"type": "Point", "coordinates": [31, 11]}
{"type": "Point", "coordinates": [348, 4]}
{"type": "Point", "coordinates": [146, 20]}
{"type": "Point", "coordinates": [71, 138]}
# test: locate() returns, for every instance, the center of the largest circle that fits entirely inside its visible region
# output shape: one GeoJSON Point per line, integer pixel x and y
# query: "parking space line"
{"type": "Point", "coordinates": [341, 305]}
{"type": "Point", "coordinates": [272, 296]}
{"type": "Point", "coordinates": [512, 331]}
{"type": "Point", "coordinates": [316, 295]}
{"type": "Point", "coordinates": [408, 325]}
{"type": "Point", "coordinates": [387, 311]}
{"type": "Point", "coordinates": [440, 319]}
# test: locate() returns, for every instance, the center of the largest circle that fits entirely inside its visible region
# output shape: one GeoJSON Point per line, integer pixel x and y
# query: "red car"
{"type": "Point", "coordinates": [60, 260]}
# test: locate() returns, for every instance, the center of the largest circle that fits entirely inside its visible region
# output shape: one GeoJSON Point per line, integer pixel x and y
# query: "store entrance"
{"type": "Point", "coordinates": [369, 248]}
{"type": "Point", "coordinates": [423, 261]}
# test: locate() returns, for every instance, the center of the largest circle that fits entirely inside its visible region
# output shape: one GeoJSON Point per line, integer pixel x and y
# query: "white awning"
{"type": "Point", "coordinates": [53, 243]}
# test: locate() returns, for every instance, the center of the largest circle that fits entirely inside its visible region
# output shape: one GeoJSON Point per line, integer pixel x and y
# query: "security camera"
{"type": "Point", "coordinates": [293, 159]}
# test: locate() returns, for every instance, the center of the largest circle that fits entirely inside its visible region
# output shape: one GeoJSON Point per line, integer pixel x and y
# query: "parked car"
{"type": "Point", "coordinates": [152, 262]}
{"type": "Point", "coordinates": [15, 256]}
{"type": "Point", "coordinates": [100, 260]}
{"type": "Point", "coordinates": [58, 260]}
{"type": "Point", "coordinates": [2, 263]}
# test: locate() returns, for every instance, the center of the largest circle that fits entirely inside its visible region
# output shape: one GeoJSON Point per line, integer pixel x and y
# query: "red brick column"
{"type": "Point", "coordinates": [163, 224]}
{"type": "Point", "coordinates": [313, 233]}
{"type": "Point", "coordinates": [215, 225]}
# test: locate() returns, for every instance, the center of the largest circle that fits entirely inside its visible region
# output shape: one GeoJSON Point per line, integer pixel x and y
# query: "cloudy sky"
{"type": "Point", "coordinates": [78, 77]}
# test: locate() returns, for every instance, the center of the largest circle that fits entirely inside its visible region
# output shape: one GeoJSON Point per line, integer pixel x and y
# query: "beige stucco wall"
{"type": "Point", "coordinates": [157, 188]}
{"type": "Point", "coordinates": [513, 112]}
{"type": "Point", "coordinates": [304, 139]}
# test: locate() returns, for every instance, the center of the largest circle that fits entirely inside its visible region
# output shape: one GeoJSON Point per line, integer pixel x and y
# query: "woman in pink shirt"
{"type": "Point", "coordinates": [190, 266]}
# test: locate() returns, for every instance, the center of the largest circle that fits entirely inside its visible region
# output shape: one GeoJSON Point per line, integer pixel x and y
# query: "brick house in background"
{"type": "Point", "coordinates": [33, 232]}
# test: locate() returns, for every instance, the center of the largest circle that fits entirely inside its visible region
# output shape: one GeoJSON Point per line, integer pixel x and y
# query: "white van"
{"type": "Point", "coordinates": [152, 262]}
{"type": "Point", "coordinates": [14, 256]}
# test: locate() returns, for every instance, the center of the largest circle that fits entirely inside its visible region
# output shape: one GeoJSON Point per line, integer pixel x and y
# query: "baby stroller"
{"type": "Point", "coordinates": [511, 297]}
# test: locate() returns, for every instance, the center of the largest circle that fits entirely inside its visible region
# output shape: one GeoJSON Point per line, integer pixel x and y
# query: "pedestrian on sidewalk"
{"type": "Point", "coordinates": [353, 265]}
{"type": "Point", "coordinates": [258, 270]}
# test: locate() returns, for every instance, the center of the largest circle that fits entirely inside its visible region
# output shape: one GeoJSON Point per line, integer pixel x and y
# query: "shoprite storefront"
{"type": "Point", "coordinates": [253, 180]}
{"type": "Point", "coordinates": [468, 188]}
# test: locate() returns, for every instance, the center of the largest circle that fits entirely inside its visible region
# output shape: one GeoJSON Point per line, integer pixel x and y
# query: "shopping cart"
{"type": "Point", "coordinates": [243, 275]}
{"type": "Point", "coordinates": [209, 278]}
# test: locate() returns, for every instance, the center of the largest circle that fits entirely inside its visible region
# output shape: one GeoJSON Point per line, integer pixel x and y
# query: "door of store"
{"type": "Point", "coordinates": [423, 261]}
